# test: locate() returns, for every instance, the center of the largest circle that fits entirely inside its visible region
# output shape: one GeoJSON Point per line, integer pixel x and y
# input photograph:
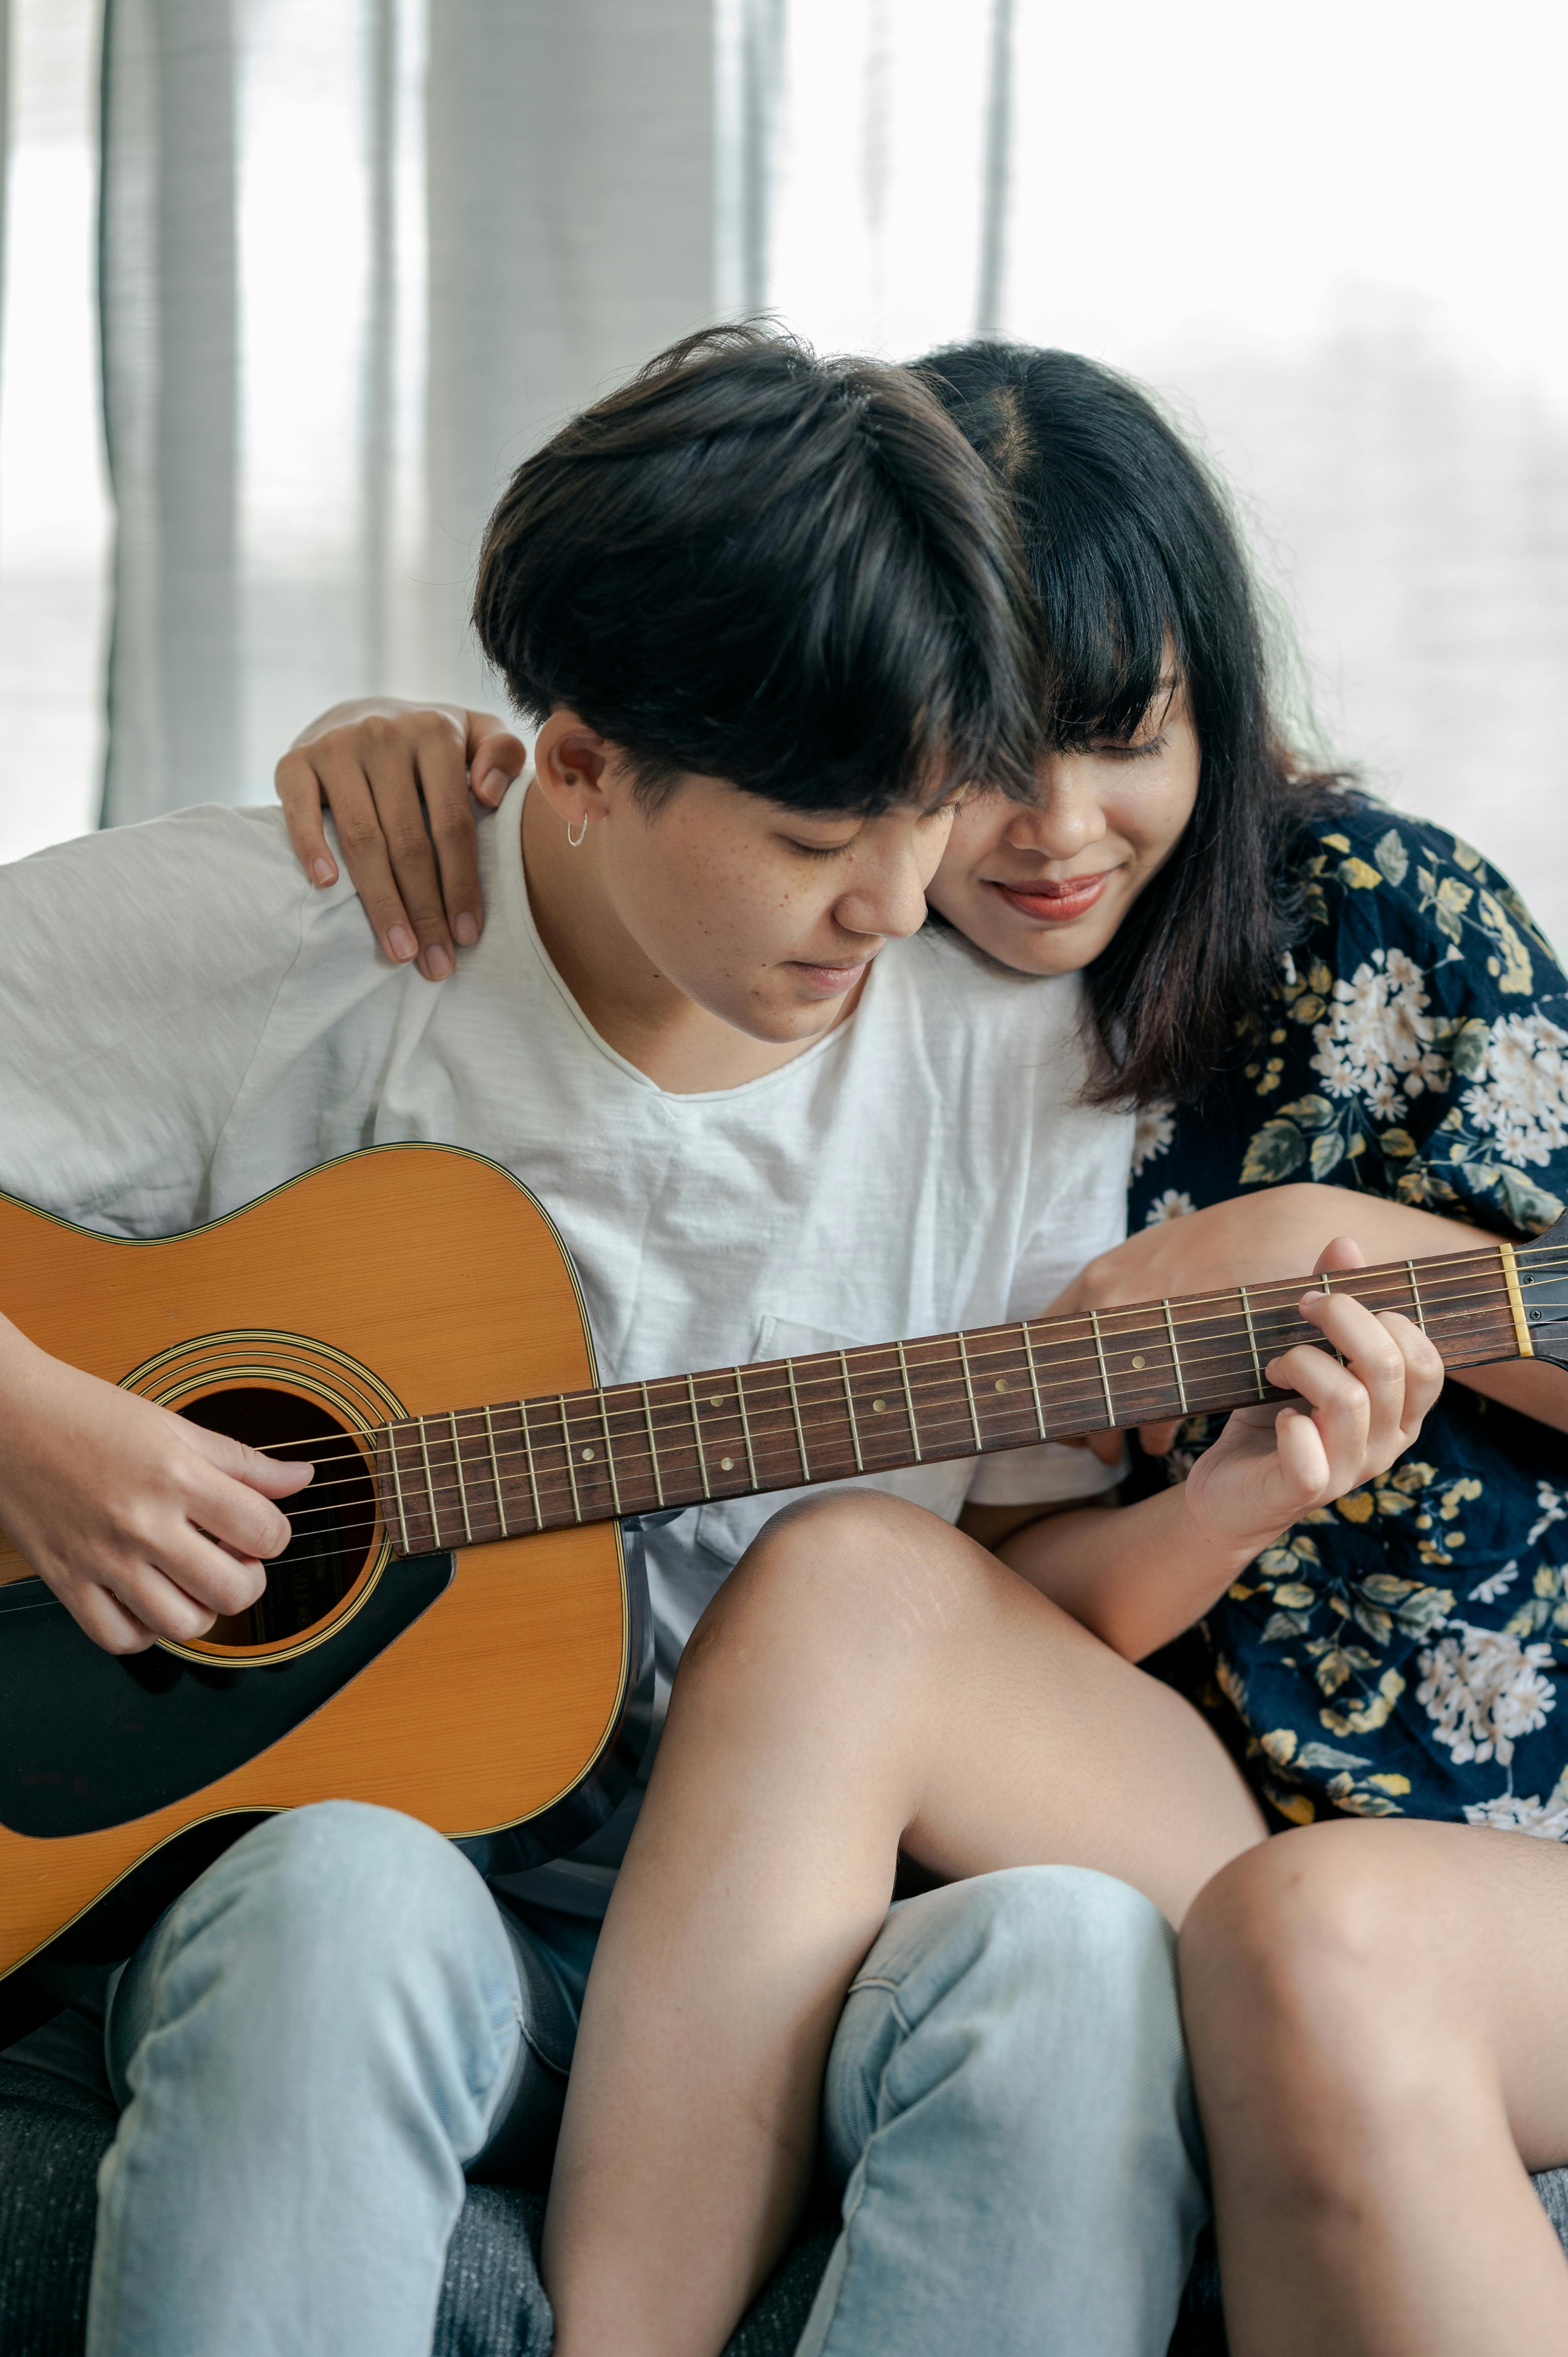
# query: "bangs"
{"type": "Point", "coordinates": [1111, 623]}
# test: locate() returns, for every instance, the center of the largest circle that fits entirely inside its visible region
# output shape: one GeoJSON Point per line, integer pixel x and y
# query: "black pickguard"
{"type": "Point", "coordinates": [90, 1739]}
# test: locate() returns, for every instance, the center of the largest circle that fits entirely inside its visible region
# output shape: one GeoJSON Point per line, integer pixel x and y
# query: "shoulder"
{"type": "Point", "coordinates": [1027, 1023]}
{"type": "Point", "coordinates": [195, 868]}
{"type": "Point", "coordinates": [1370, 875]}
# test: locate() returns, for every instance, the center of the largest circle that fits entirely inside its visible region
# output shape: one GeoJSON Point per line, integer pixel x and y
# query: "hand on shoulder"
{"type": "Point", "coordinates": [400, 780]}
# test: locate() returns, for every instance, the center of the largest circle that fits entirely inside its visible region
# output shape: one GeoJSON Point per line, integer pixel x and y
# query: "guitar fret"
{"type": "Point", "coordinates": [1416, 1297]}
{"type": "Point", "coordinates": [1104, 1370]}
{"type": "Point", "coordinates": [496, 1471]}
{"type": "Point", "coordinates": [849, 1402]}
{"type": "Point", "coordinates": [462, 1478]}
{"type": "Point", "coordinates": [1176, 1358]}
{"type": "Point", "coordinates": [610, 1453]}
{"type": "Point", "coordinates": [744, 1426]}
{"type": "Point", "coordinates": [1328, 1291]}
{"type": "Point", "coordinates": [652, 1446]}
{"type": "Point", "coordinates": [1033, 1378]}
{"type": "Point", "coordinates": [533, 1477]}
{"type": "Point", "coordinates": [566, 1452]}
{"type": "Point", "coordinates": [909, 1405]}
{"type": "Point", "coordinates": [969, 1387]}
{"type": "Point", "coordinates": [429, 1484]}
{"type": "Point", "coordinates": [799, 1428]}
{"type": "Point", "coordinates": [1253, 1340]}
{"type": "Point", "coordinates": [397, 1488]}
{"type": "Point", "coordinates": [697, 1435]}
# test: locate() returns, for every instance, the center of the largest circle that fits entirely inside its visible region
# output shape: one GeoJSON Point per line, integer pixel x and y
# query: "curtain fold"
{"type": "Point", "coordinates": [356, 260]}
{"type": "Point", "coordinates": [169, 323]}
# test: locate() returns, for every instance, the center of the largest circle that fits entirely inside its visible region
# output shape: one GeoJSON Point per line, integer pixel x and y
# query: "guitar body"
{"type": "Point", "coordinates": [499, 1693]}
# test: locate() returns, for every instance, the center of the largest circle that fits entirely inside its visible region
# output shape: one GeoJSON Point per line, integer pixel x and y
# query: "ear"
{"type": "Point", "coordinates": [570, 765]}
{"type": "Point", "coordinates": [1543, 1288]}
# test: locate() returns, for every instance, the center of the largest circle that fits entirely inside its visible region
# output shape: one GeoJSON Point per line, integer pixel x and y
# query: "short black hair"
{"type": "Point", "coordinates": [1133, 553]}
{"type": "Point", "coordinates": [787, 571]}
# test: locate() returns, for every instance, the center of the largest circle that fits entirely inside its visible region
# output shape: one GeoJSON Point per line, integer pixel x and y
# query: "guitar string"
{"type": "Point", "coordinates": [585, 1410]}
{"type": "Point", "coordinates": [593, 1404]}
{"type": "Point", "coordinates": [1286, 1293]}
{"type": "Point", "coordinates": [591, 1412]}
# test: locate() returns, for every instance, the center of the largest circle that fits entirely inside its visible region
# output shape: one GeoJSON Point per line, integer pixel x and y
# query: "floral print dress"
{"type": "Point", "coordinates": [1398, 1653]}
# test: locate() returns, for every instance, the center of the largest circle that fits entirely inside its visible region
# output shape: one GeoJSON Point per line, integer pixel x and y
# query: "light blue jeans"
{"type": "Point", "coordinates": [337, 2022]}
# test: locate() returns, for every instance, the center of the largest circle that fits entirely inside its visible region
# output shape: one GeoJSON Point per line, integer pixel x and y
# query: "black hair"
{"type": "Point", "coordinates": [789, 573]}
{"type": "Point", "coordinates": [1133, 553]}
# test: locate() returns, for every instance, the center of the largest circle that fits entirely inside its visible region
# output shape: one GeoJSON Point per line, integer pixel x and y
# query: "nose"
{"type": "Point", "coordinates": [1066, 816]}
{"type": "Point", "coordinates": [888, 898]}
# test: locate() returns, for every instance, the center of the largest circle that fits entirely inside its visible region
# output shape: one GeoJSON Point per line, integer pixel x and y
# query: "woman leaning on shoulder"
{"type": "Point", "coordinates": [1337, 1021]}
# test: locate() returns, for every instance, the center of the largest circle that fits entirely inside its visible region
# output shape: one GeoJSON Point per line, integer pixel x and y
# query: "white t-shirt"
{"type": "Point", "coordinates": [184, 1023]}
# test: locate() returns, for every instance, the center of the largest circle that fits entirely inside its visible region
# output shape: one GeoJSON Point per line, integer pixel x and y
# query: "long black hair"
{"type": "Point", "coordinates": [1132, 552]}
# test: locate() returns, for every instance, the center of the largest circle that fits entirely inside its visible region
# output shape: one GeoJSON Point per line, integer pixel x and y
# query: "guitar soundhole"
{"type": "Point", "coordinates": [334, 1520]}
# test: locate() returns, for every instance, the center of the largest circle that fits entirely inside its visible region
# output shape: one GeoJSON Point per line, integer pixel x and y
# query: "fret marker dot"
{"type": "Point", "coordinates": [726, 1464]}
{"type": "Point", "coordinates": [1002, 1383]}
{"type": "Point", "coordinates": [1140, 1362]}
{"type": "Point", "coordinates": [587, 1453]}
{"type": "Point", "coordinates": [717, 1399]}
{"type": "Point", "coordinates": [879, 1407]}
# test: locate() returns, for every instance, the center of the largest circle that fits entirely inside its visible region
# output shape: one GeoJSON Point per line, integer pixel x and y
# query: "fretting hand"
{"type": "Point", "coordinates": [1271, 1465]}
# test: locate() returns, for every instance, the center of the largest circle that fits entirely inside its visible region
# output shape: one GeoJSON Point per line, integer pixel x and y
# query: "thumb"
{"type": "Point", "coordinates": [495, 757]}
{"type": "Point", "coordinates": [272, 1477]}
{"type": "Point", "coordinates": [1342, 1252]}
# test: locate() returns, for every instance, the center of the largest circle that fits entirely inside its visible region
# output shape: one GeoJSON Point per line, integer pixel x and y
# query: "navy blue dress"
{"type": "Point", "coordinates": [1398, 1653]}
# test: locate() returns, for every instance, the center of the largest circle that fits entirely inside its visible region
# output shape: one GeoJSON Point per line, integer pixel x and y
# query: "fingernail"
{"type": "Point", "coordinates": [467, 931]}
{"type": "Point", "coordinates": [401, 943]}
{"type": "Point", "coordinates": [492, 786]}
{"type": "Point", "coordinates": [324, 872]}
{"type": "Point", "coordinates": [437, 962]}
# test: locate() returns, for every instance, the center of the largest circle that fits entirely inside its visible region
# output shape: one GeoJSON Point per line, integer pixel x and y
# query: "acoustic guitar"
{"type": "Point", "coordinates": [458, 1628]}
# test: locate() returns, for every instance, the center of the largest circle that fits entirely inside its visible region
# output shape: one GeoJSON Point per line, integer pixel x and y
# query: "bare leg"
{"type": "Point", "coordinates": [867, 1677]}
{"type": "Point", "coordinates": [1374, 2013]}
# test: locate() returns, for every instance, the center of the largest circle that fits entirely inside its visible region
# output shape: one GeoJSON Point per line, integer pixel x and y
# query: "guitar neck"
{"type": "Point", "coordinates": [473, 1474]}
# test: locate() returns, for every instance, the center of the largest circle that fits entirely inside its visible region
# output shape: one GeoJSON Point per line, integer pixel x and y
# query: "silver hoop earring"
{"type": "Point", "coordinates": [575, 840]}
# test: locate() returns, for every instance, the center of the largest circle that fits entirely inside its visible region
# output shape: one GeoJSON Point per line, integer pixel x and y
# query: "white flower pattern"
{"type": "Point", "coordinates": [1379, 1044]}
{"type": "Point", "coordinates": [1174, 1204]}
{"type": "Point", "coordinates": [1482, 1689]}
{"type": "Point", "coordinates": [1520, 1093]}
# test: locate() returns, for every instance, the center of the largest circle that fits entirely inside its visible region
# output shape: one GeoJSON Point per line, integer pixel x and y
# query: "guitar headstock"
{"type": "Point", "coordinates": [1544, 1289]}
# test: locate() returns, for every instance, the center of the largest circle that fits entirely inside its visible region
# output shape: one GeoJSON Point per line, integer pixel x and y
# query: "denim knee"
{"type": "Point", "coordinates": [338, 1915]}
{"type": "Point", "coordinates": [1035, 1984]}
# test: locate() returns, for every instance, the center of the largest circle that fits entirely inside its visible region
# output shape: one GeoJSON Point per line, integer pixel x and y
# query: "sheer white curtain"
{"type": "Point", "coordinates": [360, 254]}
{"type": "Point", "coordinates": [356, 259]}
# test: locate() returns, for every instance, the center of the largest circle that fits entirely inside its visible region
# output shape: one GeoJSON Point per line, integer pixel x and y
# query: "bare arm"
{"type": "Point", "coordinates": [1280, 1229]}
{"type": "Point", "coordinates": [1137, 1577]}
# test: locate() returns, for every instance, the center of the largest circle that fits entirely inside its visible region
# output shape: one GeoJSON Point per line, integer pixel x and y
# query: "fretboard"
{"type": "Point", "coordinates": [477, 1474]}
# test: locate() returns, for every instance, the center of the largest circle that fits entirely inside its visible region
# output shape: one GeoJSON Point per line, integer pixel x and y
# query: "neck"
{"type": "Point", "coordinates": [479, 1474]}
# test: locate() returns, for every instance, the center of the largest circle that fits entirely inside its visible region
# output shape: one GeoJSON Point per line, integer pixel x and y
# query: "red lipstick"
{"type": "Point", "coordinates": [1056, 904]}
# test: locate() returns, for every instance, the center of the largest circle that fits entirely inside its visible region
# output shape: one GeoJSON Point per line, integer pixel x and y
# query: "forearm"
{"type": "Point", "coordinates": [1136, 1576]}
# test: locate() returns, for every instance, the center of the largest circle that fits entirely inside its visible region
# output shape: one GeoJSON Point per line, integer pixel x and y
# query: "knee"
{"type": "Point", "coordinates": [856, 1578]}
{"type": "Point", "coordinates": [1048, 1957]}
{"type": "Point", "coordinates": [1305, 1984]}
{"type": "Point", "coordinates": [337, 1892]}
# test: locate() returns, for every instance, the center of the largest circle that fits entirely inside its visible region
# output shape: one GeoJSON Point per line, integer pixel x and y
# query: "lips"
{"type": "Point", "coordinates": [1056, 904]}
{"type": "Point", "coordinates": [829, 981]}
